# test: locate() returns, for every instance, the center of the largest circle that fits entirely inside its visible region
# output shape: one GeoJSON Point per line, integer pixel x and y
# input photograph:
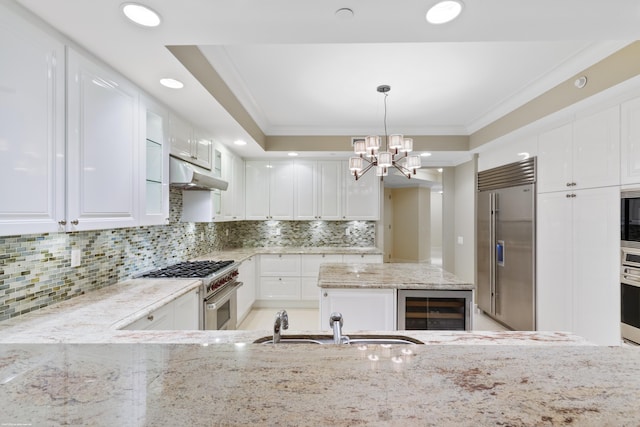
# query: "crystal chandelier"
{"type": "Point", "coordinates": [395, 154]}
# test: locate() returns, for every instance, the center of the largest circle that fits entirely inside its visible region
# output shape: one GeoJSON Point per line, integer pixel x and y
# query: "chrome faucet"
{"type": "Point", "coordinates": [335, 321]}
{"type": "Point", "coordinates": [281, 322]}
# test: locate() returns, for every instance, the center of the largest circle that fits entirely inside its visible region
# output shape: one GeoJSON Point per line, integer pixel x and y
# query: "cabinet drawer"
{"type": "Point", "coordinates": [363, 258]}
{"type": "Point", "coordinates": [280, 265]}
{"type": "Point", "coordinates": [310, 264]}
{"type": "Point", "coordinates": [287, 288]}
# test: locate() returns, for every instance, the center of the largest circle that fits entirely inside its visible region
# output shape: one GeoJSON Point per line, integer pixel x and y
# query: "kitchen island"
{"type": "Point", "coordinates": [393, 296]}
{"type": "Point", "coordinates": [318, 385]}
{"type": "Point", "coordinates": [74, 364]}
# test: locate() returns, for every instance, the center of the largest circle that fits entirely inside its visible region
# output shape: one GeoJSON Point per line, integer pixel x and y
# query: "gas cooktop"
{"type": "Point", "coordinates": [193, 269]}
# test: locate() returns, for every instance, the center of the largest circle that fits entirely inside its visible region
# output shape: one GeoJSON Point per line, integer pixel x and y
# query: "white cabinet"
{"type": "Point", "coordinates": [318, 189]}
{"type": "Point", "coordinates": [246, 294]}
{"type": "Point", "coordinates": [32, 138]}
{"type": "Point", "coordinates": [179, 314]}
{"type": "Point", "coordinates": [233, 197]}
{"type": "Point", "coordinates": [269, 190]}
{"type": "Point", "coordinates": [102, 147]}
{"type": "Point", "coordinates": [578, 256]}
{"type": "Point", "coordinates": [361, 198]}
{"type": "Point", "coordinates": [309, 269]}
{"type": "Point", "coordinates": [186, 311]}
{"type": "Point", "coordinates": [630, 142]}
{"type": "Point", "coordinates": [362, 309]}
{"type": "Point", "coordinates": [363, 258]}
{"type": "Point", "coordinates": [279, 277]}
{"type": "Point", "coordinates": [582, 154]}
{"type": "Point", "coordinates": [154, 165]}
{"type": "Point", "coordinates": [189, 143]}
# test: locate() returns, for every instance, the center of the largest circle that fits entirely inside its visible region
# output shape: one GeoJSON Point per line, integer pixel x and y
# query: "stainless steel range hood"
{"type": "Point", "coordinates": [190, 177]}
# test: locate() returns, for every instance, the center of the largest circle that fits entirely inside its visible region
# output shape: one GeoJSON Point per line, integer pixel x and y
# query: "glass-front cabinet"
{"type": "Point", "coordinates": [154, 202]}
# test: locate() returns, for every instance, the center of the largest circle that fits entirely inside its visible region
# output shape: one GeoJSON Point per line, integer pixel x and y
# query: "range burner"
{"type": "Point", "coordinates": [194, 269]}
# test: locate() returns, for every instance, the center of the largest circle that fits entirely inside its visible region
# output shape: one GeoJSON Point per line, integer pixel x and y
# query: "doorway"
{"type": "Point", "coordinates": [412, 219]}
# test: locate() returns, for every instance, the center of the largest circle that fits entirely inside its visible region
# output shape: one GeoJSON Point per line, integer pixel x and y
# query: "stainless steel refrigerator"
{"type": "Point", "coordinates": [506, 226]}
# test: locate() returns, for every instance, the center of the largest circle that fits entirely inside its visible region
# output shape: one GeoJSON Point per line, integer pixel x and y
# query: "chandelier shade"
{"type": "Point", "coordinates": [395, 153]}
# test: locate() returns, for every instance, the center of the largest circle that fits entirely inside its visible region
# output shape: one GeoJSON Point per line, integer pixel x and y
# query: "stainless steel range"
{"type": "Point", "coordinates": [218, 309]}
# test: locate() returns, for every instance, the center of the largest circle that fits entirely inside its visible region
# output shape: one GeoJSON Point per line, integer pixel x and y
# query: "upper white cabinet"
{"type": "Point", "coordinates": [154, 155]}
{"type": "Point", "coordinates": [102, 147]}
{"type": "Point", "coordinates": [318, 190]}
{"type": "Point", "coordinates": [578, 259]}
{"type": "Point", "coordinates": [32, 145]}
{"type": "Point", "coordinates": [630, 142]}
{"type": "Point", "coordinates": [269, 190]}
{"type": "Point", "coordinates": [583, 154]}
{"type": "Point", "coordinates": [189, 143]}
{"type": "Point", "coordinates": [362, 197]}
{"type": "Point", "coordinates": [233, 198]}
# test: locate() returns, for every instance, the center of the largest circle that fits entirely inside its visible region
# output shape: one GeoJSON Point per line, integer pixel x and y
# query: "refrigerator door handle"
{"type": "Point", "coordinates": [492, 254]}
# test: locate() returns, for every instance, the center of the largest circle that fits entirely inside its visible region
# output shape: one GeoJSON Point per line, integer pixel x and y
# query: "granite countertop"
{"type": "Point", "coordinates": [99, 316]}
{"type": "Point", "coordinates": [390, 276]}
{"type": "Point", "coordinates": [241, 254]}
{"type": "Point", "coordinates": [312, 385]}
{"type": "Point", "coordinates": [71, 364]}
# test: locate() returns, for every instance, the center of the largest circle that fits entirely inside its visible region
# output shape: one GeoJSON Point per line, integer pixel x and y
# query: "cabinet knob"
{"type": "Point", "coordinates": [63, 222]}
{"type": "Point", "coordinates": [326, 294]}
{"type": "Point", "coordinates": [74, 222]}
{"type": "Point", "coordinates": [150, 317]}
{"type": "Point", "coordinates": [568, 184]}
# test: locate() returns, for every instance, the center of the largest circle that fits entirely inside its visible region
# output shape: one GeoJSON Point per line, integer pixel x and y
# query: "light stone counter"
{"type": "Point", "coordinates": [307, 385]}
{"type": "Point", "coordinates": [93, 373]}
{"type": "Point", "coordinates": [243, 253]}
{"type": "Point", "coordinates": [390, 276]}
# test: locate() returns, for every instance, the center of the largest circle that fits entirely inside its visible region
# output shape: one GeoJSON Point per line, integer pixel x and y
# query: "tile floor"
{"type": "Point", "coordinates": [307, 319]}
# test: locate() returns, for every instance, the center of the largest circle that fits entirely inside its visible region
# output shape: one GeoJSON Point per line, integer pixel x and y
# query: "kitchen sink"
{"type": "Point", "coordinates": [350, 339]}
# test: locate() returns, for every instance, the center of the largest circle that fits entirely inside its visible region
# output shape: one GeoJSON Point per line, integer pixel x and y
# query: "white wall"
{"type": "Point", "coordinates": [465, 221]}
{"type": "Point", "coordinates": [436, 224]}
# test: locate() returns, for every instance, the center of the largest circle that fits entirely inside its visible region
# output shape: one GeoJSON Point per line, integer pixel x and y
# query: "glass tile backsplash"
{"type": "Point", "coordinates": [35, 269]}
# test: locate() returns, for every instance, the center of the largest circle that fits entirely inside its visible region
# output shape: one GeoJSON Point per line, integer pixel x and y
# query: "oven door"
{"type": "Point", "coordinates": [220, 310]}
{"type": "Point", "coordinates": [630, 218]}
{"type": "Point", "coordinates": [630, 303]}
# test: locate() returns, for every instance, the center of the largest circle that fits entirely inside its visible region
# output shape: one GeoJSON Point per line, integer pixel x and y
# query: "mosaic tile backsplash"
{"type": "Point", "coordinates": [35, 269]}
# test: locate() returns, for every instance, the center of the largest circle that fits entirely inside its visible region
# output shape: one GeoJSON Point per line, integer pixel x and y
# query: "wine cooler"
{"type": "Point", "coordinates": [434, 310]}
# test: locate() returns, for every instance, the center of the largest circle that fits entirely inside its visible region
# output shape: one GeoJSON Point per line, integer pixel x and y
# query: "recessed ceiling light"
{"type": "Point", "coordinates": [292, 154]}
{"type": "Point", "coordinates": [425, 154]}
{"type": "Point", "coordinates": [344, 14]}
{"type": "Point", "coordinates": [141, 15]}
{"type": "Point", "coordinates": [172, 83]}
{"type": "Point", "coordinates": [444, 11]}
{"type": "Point", "coordinates": [240, 142]}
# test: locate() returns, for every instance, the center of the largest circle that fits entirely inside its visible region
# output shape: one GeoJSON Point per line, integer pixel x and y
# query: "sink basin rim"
{"type": "Point", "coordinates": [355, 339]}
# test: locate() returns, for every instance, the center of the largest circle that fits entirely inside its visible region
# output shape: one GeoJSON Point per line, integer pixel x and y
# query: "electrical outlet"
{"type": "Point", "coordinates": [202, 235]}
{"type": "Point", "coordinates": [226, 232]}
{"type": "Point", "coordinates": [277, 231]}
{"type": "Point", "coordinates": [76, 257]}
{"type": "Point", "coordinates": [347, 231]}
{"type": "Point", "coordinates": [460, 240]}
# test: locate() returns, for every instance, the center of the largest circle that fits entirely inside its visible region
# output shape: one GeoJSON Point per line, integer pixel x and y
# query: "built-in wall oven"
{"type": "Point", "coordinates": [630, 294]}
{"type": "Point", "coordinates": [630, 218]}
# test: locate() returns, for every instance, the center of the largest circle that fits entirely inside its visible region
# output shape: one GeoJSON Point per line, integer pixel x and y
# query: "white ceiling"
{"type": "Point", "coordinates": [300, 70]}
